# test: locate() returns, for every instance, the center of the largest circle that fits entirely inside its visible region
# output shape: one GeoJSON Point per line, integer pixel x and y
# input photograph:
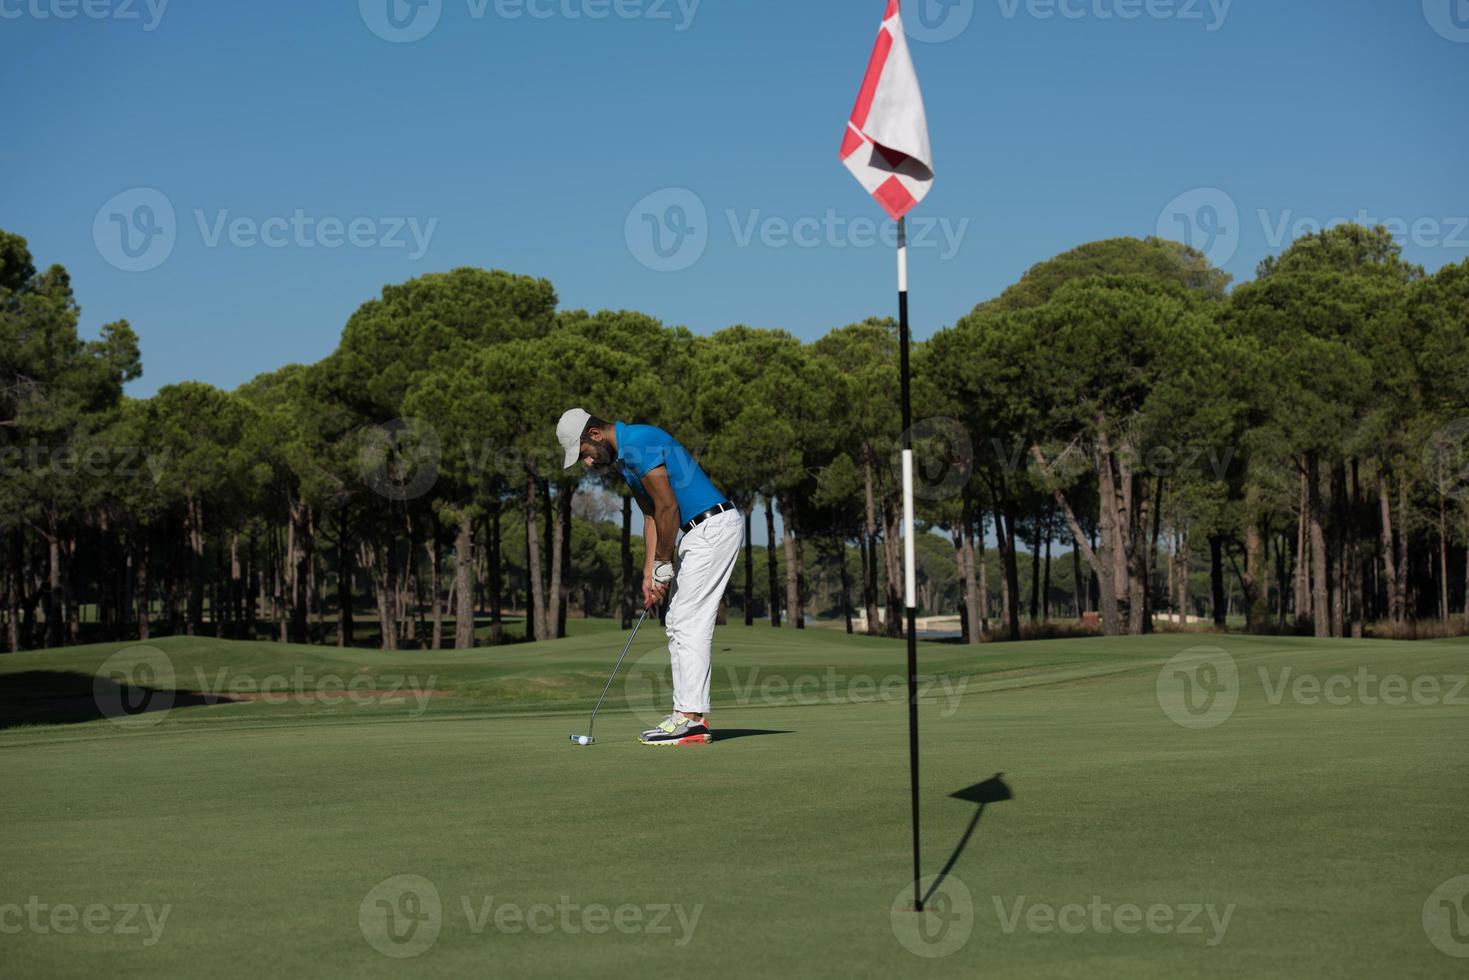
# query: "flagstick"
{"type": "Point", "coordinates": [909, 578]}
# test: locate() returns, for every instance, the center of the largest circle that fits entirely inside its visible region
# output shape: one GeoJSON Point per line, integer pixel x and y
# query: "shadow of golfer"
{"type": "Point", "coordinates": [725, 734]}
{"type": "Point", "coordinates": [992, 790]}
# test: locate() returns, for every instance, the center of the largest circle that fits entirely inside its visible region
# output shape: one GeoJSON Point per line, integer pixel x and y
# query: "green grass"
{"type": "Point", "coordinates": [1322, 829]}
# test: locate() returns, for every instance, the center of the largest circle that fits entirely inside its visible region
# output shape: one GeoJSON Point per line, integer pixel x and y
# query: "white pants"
{"type": "Point", "coordinates": [706, 559]}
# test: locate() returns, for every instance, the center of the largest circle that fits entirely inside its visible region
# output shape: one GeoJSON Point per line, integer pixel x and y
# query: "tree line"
{"type": "Point", "coordinates": [1301, 441]}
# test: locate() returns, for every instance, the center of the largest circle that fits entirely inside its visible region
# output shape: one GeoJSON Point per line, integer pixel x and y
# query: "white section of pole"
{"type": "Point", "coordinates": [910, 565]}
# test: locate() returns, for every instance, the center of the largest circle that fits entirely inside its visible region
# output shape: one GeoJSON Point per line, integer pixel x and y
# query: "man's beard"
{"type": "Point", "coordinates": [601, 455]}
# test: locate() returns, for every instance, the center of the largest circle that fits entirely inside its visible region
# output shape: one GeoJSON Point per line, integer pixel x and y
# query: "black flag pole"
{"type": "Point", "coordinates": [909, 583]}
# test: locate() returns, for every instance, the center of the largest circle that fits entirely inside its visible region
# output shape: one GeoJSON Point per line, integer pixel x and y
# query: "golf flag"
{"type": "Point", "coordinates": [886, 148]}
{"type": "Point", "coordinates": [886, 143]}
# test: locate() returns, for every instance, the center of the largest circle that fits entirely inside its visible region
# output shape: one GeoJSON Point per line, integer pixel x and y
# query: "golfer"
{"type": "Point", "coordinates": [674, 495]}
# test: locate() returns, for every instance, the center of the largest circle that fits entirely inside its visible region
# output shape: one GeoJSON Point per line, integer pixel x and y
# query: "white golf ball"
{"type": "Point", "coordinates": [583, 741]}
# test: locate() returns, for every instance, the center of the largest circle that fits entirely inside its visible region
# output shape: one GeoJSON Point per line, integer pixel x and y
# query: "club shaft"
{"type": "Point", "coordinates": [626, 647]}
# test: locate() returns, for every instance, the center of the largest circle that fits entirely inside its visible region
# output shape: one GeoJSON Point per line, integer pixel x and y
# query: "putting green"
{"type": "Point", "coordinates": [1257, 807]}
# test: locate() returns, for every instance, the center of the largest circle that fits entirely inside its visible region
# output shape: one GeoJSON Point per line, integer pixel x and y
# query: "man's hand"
{"type": "Point", "coordinates": [653, 593]}
{"type": "Point", "coordinates": [657, 583]}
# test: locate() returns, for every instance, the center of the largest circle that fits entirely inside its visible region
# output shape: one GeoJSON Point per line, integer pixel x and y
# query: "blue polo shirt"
{"type": "Point", "coordinates": [643, 448]}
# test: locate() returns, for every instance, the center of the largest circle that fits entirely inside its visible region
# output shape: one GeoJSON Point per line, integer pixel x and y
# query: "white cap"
{"type": "Point", "coordinates": [568, 433]}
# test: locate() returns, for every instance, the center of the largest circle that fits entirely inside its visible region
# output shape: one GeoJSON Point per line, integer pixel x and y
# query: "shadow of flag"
{"type": "Point", "coordinates": [992, 790]}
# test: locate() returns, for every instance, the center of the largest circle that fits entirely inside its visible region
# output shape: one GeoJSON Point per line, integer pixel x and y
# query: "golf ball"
{"type": "Point", "coordinates": [583, 740]}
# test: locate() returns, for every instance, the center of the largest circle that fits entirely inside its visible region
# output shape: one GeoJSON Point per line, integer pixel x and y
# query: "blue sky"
{"type": "Point", "coordinates": [553, 137]}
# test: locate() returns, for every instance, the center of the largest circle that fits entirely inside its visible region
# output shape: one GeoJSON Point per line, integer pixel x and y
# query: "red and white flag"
{"type": "Point", "coordinates": [886, 143]}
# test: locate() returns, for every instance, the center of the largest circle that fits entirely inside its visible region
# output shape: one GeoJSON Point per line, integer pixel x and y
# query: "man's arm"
{"type": "Point", "coordinates": [660, 532]}
{"type": "Point", "coordinates": [651, 594]}
{"type": "Point", "coordinates": [650, 542]}
{"type": "Point", "coordinates": [650, 531]}
{"type": "Point", "coordinates": [664, 513]}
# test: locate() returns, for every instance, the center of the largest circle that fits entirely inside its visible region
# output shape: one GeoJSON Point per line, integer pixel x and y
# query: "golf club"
{"type": "Point", "coordinates": [587, 739]}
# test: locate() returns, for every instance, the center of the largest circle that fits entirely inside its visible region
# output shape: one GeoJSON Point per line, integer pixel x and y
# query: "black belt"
{"type": "Point", "coordinates": [701, 518]}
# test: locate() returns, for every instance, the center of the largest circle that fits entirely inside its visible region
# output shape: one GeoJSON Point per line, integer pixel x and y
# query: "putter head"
{"type": "Point", "coordinates": [582, 739]}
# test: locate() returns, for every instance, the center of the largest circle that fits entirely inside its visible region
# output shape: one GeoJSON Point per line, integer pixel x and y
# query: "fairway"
{"type": "Point", "coordinates": [258, 836]}
{"type": "Point", "coordinates": [503, 462]}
